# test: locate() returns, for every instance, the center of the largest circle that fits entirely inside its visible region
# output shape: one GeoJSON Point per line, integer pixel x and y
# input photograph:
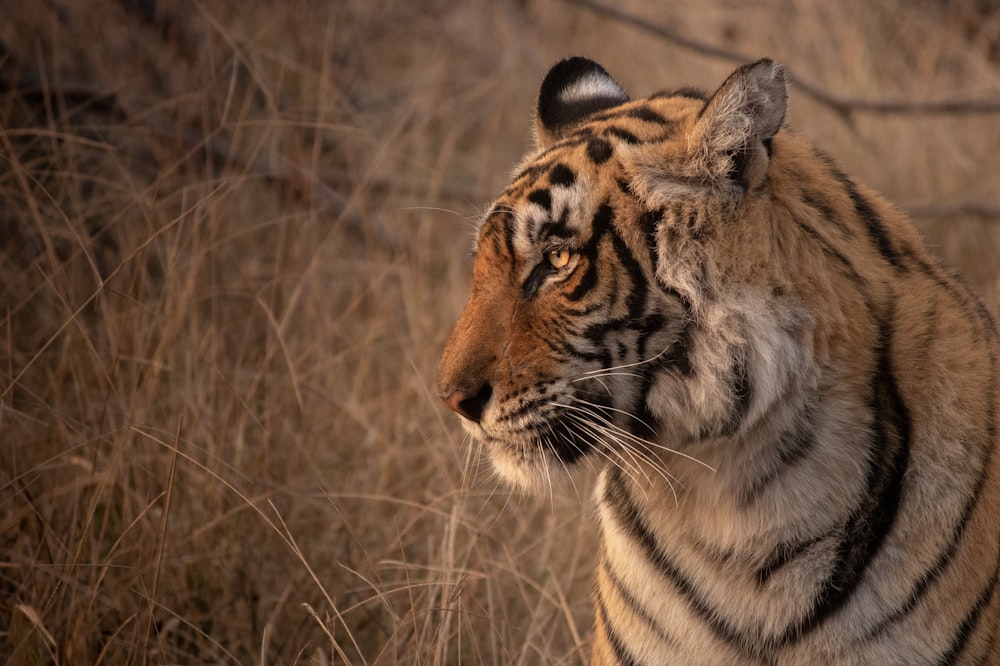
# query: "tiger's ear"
{"type": "Point", "coordinates": [572, 90]}
{"type": "Point", "coordinates": [735, 129]}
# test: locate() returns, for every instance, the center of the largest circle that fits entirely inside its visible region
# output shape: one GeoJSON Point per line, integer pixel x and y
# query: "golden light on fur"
{"type": "Point", "coordinates": [793, 402]}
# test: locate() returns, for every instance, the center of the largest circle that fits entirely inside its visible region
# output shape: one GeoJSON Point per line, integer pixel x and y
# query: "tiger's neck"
{"type": "Point", "coordinates": [682, 546]}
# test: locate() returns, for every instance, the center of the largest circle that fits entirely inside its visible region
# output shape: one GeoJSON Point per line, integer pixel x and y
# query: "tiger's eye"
{"type": "Point", "coordinates": [559, 258]}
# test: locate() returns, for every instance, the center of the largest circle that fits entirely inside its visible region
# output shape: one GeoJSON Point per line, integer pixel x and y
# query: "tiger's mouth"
{"type": "Point", "coordinates": [523, 443]}
{"type": "Point", "coordinates": [562, 437]}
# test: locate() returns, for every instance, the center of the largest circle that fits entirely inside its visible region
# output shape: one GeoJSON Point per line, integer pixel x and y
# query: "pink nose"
{"type": "Point", "coordinates": [468, 405]}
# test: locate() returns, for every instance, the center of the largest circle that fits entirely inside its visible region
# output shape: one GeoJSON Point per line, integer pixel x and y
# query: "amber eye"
{"type": "Point", "coordinates": [559, 258]}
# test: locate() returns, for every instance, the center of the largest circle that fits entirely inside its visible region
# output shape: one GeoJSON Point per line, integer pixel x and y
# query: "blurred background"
{"type": "Point", "coordinates": [233, 238]}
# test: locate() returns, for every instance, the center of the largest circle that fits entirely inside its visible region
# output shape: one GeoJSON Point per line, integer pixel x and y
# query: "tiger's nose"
{"type": "Point", "coordinates": [469, 405]}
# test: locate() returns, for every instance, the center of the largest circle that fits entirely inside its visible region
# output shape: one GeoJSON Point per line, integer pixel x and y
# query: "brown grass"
{"type": "Point", "coordinates": [233, 238]}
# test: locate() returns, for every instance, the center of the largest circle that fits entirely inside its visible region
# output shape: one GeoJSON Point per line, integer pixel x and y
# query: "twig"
{"type": "Point", "coordinates": [842, 105]}
{"type": "Point", "coordinates": [161, 542]}
{"type": "Point", "coordinates": [978, 209]}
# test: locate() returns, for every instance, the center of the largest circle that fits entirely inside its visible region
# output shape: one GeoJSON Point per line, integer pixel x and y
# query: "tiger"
{"type": "Point", "coordinates": [792, 403]}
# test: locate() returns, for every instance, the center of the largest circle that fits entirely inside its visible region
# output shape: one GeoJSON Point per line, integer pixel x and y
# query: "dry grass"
{"type": "Point", "coordinates": [232, 240]}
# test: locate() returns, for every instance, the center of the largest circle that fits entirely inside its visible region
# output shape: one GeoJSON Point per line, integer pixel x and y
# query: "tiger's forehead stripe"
{"type": "Point", "coordinates": [542, 193]}
{"type": "Point", "coordinates": [543, 202]}
{"type": "Point", "coordinates": [634, 123]}
{"type": "Point", "coordinates": [550, 213]}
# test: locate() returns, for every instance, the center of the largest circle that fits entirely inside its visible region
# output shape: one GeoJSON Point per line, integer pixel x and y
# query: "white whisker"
{"type": "Point", "coordinates": [602, 371]}
{"type": "Point", "coordinates": [631, 436]}
{"type": "Point", "coordinates": [597, 374]}
{"type": "Point", "coordinates": [616, 435]}
{"type": "Point", "coordinates": [633, 465]}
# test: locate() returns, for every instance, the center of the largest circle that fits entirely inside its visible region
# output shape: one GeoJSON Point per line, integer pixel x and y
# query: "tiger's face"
{"type": "Point", "coordinates": [549, 359]}
{"type": "Point", "coordinates": [577, 309]}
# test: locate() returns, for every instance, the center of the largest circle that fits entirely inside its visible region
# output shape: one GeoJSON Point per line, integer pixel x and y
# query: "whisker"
{"type": "Point", "coordinates": [617, 411]}
{"type": "Point", "coordinates": [632, 436]}
{"type": "Point", "coordinates": [572, 481]}
{"type": "Point", "coordinates": [600, 432]}
{"type": "Point", "coordinates": [635, 455]}
{"type": "Point", "coordinates": [609, 372]}
{"type": "Point", "coordinates": [635, 438]}
{"type": "Point", "coordinates": [634, 364]}
{"type": "Point", "coordinates": [542, 444]}
{"type": "Point", "coordinates": [630, 461]}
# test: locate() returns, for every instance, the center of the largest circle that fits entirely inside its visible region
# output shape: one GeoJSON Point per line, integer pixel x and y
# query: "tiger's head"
{"type": "Point", "coordinates": [590, 327]}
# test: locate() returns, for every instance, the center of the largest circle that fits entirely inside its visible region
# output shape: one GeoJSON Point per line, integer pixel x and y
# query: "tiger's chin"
{"type": "Point", "coordinates": [532, 464]}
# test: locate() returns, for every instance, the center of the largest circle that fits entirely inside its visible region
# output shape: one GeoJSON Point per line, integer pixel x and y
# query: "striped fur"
{"type": "Point", "coordinates": [795, 404]}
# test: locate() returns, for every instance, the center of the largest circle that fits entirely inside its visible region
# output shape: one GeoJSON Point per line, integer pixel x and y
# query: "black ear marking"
{"type": "Point", "coordinates": [572, 90]}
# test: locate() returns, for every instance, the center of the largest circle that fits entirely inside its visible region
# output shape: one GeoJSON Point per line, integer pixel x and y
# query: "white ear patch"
{"type": "Point", "coordinates": [592, 86]}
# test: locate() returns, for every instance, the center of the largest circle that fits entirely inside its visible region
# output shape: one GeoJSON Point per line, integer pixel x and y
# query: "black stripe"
{"type": "Point", "coordinates": [873, 223]}
{"type": "Point", "coordinates": [784, 554]}
{"type": "Point", "coordinates": [647, 327]}
{"type": "Point", "coordinates": [622, 654]}
{"type": "Point", "coordinates": [625, 187]}
{"type": "Point", "coordinates": [628, 517]}
{"type": "Point", "coordinates": [648, 115]}
{"type": "Point", "coordinates": [601, 356]}
{"type": "Point", "coordinates": [601, 222]}
{"type": "Point", "coordinates": [623, 134]}
{"type": "Point", "coordinates": [965, 297]}
{"type": "Point", "coordinates": [567, 114]}
{"type": "Point", "coordinates": [826, 210]}
{"type": "Point", "coordinates": [561, 175]}
{"type": "Point", "coordinates": [599, 151]}
{"type": "Point", "coordinates": [679, 355]}
{"type": "Point", "coordinates": [558, 347]}
{"type": "Point", "coordinates": [585, 311]}
{"type": "Point", "coordinates": [851, 272]}
{"type": "Point", "coordinates": [570, 439]}
{"type": "Point", "coordinates": [870, 523]}
{"type": "Point", "coordinates": [742, 392]}
{"type": "Point", "coordinates": [536, 279]}
{"type": "Point", "coordinates": [596, 333]}
{"type": "Point", "coordinates": [496, 243]}
{"type": "Point", "coordinates": [793, 445]}
{"type": "Point", "coordinates": [990, 647]}
{"type": "Point", "coordinates": [552, 227]}
{"type": "Point", "coordinates": [690, 93]}
{"type": "Point", "coordinates": [600, 225]}
{"type": "Point", "coordinates": [970, 622]}
{"type": "Point", "coordinates": [681, 298]}
{"type": "Point", "coordinates": [924, 582]}
{"type": "Point", "coordinates": [558, 229]}
{"type": "Point", "coordinates": [587, 281]}
{"type": "Point", "coordinates": [543, 161]}
{"type": "Point", "coordinates": [506, 219]}
{"type": "Point", "coordinates": [635, 295]}
{"type": "Point", "coordinates": [636, 299]}
{"type": "Point", "coordinates": [643, 113]}
{"type": "Point", "coordinates": [542, 198]}
{"type": "Point", "coordinates": [738, 168]}
{"type": "Point", "coordinates": [529, 173]}
{"type": "Point", "coordinates": [634, 606]}
{"type": "Point", "coordinates": [944, 558]}
{"type": "Point", "coordinates": [648, 221]}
